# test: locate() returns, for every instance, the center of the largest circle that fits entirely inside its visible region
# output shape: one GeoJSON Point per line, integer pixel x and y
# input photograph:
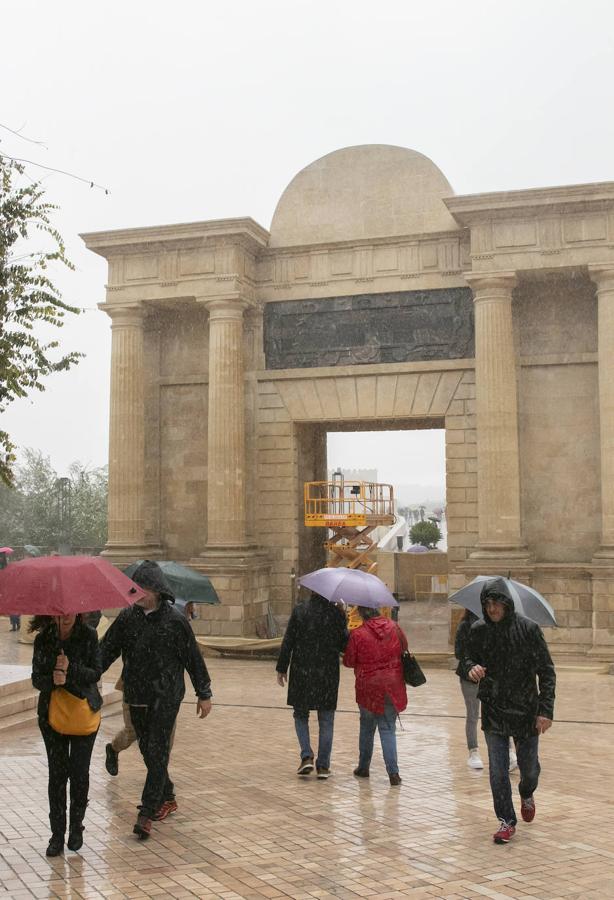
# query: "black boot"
{"type": "Point", "coordinates": [56, 845]}
{"type": "Point", "coordinates": [75, 837]}
{"type": "Point", "coordinates": [75, 828]}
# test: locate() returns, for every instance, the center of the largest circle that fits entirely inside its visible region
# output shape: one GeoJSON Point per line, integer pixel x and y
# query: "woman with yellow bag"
{"type": "Point", "coordinates": [66, 668]}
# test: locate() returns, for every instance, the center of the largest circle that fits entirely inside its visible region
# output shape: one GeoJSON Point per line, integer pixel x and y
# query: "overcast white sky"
{"type": "Point", "coordinates": [195, 110]}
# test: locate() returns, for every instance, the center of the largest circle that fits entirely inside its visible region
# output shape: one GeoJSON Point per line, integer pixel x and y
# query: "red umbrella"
{"type": "Point", "coordinates": [62, 585]}
{"type": "Point", "coordinates": [6, 550]}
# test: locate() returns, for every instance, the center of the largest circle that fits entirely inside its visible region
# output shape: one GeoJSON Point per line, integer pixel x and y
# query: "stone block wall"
{"type": "Point", "coordinates": [461, 472]}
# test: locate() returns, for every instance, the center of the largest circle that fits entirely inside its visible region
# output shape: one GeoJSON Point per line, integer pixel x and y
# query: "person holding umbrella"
{"type": "Point", "coordinates": [374, 652]}
{"type": "Point", "coordinates": [157, 645]}
{"type": "Point", "coordinates": [315, 636]}
{"type": "Point", "coordinates": [509, 659]}
{"type": "Point", "coordinates": [66, 669]}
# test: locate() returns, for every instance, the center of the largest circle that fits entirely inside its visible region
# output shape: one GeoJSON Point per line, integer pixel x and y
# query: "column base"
{"type": "Point", "coordinates": [124, 554]}
{"type": "Point", "coordinates": [605, 555]}
{"type": "Point", "coordinates": [502, 553]}
{"type": "Point", "coordinates": [241, 578]}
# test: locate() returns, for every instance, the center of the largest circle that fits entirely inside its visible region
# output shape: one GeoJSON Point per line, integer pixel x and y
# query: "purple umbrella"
{"type": "Point", "coordinates": [352, 586]}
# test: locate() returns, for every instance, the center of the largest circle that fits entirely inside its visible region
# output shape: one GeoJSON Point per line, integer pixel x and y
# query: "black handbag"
{"type": "Point", "coordinates": [412, 673]}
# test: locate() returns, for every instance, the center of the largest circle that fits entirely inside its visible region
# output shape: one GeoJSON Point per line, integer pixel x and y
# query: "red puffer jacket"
{"type": "Point", "coordinates": [374, 652]}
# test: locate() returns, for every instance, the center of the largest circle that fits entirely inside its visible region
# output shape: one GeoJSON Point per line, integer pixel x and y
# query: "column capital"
{"type": "Point", "coordinates": [603, 276]}
{"type": "Point", "coordinates": [124, 315]}
{"type": "Point", "coordinates": [231, 307]}
{"type": "Point", "coordinates": [491, 283]}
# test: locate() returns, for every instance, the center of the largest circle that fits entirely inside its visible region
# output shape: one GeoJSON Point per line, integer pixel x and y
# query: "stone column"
{"type": "Point", "coordinates": [126, 436]}
{"type": "Point", "coordinates": [226, 518]}
{"type": "Point", "coordinates": [499, 527]}
{"type": "Point", "coordinates": [604, 279]}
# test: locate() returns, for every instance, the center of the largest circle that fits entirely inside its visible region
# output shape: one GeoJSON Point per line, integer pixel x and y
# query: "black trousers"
{"type": "Point", "coordinates": [69, 760]}
{"type": "Point", "coordinates": [154, 728]}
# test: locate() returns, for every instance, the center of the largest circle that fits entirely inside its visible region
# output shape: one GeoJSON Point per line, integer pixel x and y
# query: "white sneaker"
{"type": "Point", "coordinates": [475, 761]}
{"type": "Point", "coordinates": [513, 761]}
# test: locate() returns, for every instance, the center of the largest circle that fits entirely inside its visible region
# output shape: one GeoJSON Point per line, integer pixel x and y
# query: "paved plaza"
{"type": "Point", "coordinates": [247, 827]}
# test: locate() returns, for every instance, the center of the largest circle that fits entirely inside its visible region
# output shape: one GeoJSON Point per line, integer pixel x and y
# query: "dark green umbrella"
{"type": "Point", "coordinates": [189, 585]}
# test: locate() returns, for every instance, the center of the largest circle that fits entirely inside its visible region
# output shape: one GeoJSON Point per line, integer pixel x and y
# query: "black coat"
{"type": "Point", "coordinates": [84, 665]}
{"type": "Point", "coordinates": [520, 678]}
{"type": "Point", "coordinates": [155, 649]}
{"type": "Point", "coordinates": [315, 636]}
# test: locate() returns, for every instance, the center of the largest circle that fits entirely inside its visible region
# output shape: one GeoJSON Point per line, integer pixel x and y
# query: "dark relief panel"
{"type": "Point", "coordinates": [369, 328]}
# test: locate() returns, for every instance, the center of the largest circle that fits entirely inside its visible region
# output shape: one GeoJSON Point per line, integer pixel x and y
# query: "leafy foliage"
{"type": "Point", "coordinates": [425, 533]}
{"type": "Point", "coordinates": [28, 298]}
{"type": "Point", "coordinates": [30, 510]}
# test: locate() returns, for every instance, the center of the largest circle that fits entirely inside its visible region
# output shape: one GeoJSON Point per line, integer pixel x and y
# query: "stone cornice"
{"type": "Point", "coordinates": [470, 208]}
{"type": "Point", "coordinates": [244, 231]}
{"type": "Point", "coordinates": [394, 240]}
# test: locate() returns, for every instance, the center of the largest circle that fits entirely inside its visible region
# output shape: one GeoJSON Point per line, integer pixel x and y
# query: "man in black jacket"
{"type": "Point", "coordinates": [315, 636]}
{"type": "Point", "coordinates": [156, 644]}
{"type": "Point", "coordinates": [509, 657]}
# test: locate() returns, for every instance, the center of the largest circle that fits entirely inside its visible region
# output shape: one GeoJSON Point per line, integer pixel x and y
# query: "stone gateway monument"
{"type": "Point", "coordinates": [378, 300]}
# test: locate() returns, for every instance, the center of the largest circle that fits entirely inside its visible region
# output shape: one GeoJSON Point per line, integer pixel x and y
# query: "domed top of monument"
{"type": "Point", "coordinates": [369, 191]}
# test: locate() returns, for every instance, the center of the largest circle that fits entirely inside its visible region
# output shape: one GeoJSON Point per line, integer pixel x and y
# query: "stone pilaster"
{"type": "Point", "coordinates": [499, 527]}
{"type": "Point", "coordinates": [603, 277]}
{"type": "Point", "coordinates": [226, 520]}
{"type": "Point", "coordinates": [238, 571]}
{"type": "Point", "coordinates": [126, 537]}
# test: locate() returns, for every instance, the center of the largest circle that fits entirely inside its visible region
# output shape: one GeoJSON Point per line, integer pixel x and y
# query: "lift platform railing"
{"type": "Point", "coordinates": [334, 504]}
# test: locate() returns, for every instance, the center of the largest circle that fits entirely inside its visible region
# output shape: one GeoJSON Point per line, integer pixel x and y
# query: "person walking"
{"type": "Point", "coordinates": [469, 691]}
{"type": "Point", "coordinates": [507, 656]}
{"type": "Point", "coordinates": [66, 669]}
{"type": "Point", "coordinates": [157, 645]}
{"type": "Point", "coordinates": [315, 637]}
{"type": "Point", "coordinates": [374, 652]}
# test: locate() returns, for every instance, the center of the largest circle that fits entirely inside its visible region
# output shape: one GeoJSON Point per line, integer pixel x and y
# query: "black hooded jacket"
{"type": "Point", "coordinates": [520, 680]}
{"type": "Point", "coordinates": [155, 648]}
{"type": "Point", "coordinates": [315, 636]}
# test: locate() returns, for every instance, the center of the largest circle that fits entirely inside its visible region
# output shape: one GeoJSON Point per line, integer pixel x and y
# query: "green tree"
{"type": "Point", "coordinates": [30, 510]}
{"type": "Point", "coordinates": [28, 297]}
{"type": "Point", "coordinates": [425, 533]}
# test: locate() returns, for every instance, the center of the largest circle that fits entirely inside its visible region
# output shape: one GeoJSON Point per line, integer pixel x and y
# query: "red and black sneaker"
{"type": "Point", "coordinates": [505, 833]}
{"type": "Point", "coordinates": [142, 827]}
{"type": "Point", "coordinates": [168, 807]}
{"type": "Point", "coordinates": [527, 809]}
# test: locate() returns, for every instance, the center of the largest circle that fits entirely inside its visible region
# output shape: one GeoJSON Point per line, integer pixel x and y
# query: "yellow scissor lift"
{"type": "Point", "coordinates": [351, 510]}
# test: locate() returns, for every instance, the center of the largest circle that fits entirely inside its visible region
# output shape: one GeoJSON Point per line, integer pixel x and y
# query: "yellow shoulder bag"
{"type": "Point", "coordinates": [71, 715]}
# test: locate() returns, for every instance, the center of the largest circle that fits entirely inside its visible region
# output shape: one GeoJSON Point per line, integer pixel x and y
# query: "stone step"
{"type": "Point", "coordinates": [18, 701]}
{"type": "Point", "coordinates": [111, 697]}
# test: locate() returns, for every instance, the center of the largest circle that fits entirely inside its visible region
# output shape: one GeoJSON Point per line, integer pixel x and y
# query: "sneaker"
{"type": "Point", "coordinates": [142, 827]}
{"type": "Point", "coordinates": [306, 766]}
{"type": "Point", "coordinates": [323, 773]}
{"type": "Point", "coordinates": [513, 761]}
{"type": "Point", "coordinates": [527, 809]}
{"type": "Point", "coordinates": [505, 833]}
{"type": "Point", "coordinates": [361, 773]}
{"type": "Point", "coordinates": [168, 807]}
{"type": "Point", "coordinates": [395, 779]}
{"type": "Point", "coordinates": [111, 762]}
{"type": "Point", "coordinates": [475, 760]}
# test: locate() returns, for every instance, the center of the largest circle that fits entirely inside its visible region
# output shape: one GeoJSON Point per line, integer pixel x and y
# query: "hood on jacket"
{"type": "Point", "coordinates": [380, 626]}
{"type": "Point", "coordinates": [150, 576]}
{"type": "Point", "coordinates": [498, 588]}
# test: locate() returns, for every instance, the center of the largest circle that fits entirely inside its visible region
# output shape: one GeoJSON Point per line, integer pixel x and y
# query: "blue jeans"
{"type": "Point", "coordinates": [499, 761]}
{"type": "Point", "coordinates": [386, 725]}
{"type": "Point", "coordinates": [326, 722]}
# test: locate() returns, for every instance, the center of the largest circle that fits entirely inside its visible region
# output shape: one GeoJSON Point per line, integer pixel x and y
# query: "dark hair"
{"type": "Point", "coordinates": [39, 623]}
{"type": "Point", "coordinates": [367, 612]}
